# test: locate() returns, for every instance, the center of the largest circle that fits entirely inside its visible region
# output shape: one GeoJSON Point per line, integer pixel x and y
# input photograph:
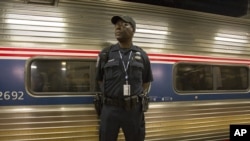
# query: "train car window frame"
{"type": "Point", "coordinates": [60, 76]}
{"type": "Point", "coordinates": [206, 78]}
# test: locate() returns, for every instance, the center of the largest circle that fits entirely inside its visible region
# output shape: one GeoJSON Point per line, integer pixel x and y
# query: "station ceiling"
{"type": "Point", "coordinates": [234, 8]}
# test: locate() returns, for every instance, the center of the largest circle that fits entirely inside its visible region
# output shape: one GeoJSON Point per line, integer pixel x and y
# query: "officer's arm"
{"type": "Point", "coordinates": [99, 72]}
{"type": "Point", "coordinates": [146, 87]}
{"type": "Point", "coordinates": [100, 85]}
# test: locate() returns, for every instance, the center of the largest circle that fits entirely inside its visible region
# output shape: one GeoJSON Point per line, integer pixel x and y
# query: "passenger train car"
{"type": "Point", "coordinates": [48, 55]}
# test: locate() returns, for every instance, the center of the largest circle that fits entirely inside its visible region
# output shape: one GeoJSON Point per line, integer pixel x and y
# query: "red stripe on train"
{"type": "Point", "coordinates": [49, 50]}
{"type": "Point", "coordinates": [31, 52]}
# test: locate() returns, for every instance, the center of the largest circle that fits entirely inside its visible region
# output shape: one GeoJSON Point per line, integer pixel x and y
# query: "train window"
{"type": "Point", "coordinates": [57, 76]}
{"type": "Point", "coordinates": [232, 78]}
{"type": "Point", "coordinates": [191, 77]}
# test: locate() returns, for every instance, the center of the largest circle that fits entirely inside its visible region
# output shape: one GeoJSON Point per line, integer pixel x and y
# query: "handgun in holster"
{"type": "Point", "coordinates": [98, 102]}
{"type": "Point", "coordinates": [145, 102]}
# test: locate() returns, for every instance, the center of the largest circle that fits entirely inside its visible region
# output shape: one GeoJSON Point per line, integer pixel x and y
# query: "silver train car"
{"type": "Point", "coordinates": [48, 53]}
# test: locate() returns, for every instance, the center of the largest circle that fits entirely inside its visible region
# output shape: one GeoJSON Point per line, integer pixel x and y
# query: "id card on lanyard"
{"type": "Point", "coordinates": [126, 86]}
{"type": "Point", "coordinates": [126, 89]}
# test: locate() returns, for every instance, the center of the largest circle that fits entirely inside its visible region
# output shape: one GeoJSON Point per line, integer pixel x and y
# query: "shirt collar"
{"type": "Point", "coordinates": [116, 47]}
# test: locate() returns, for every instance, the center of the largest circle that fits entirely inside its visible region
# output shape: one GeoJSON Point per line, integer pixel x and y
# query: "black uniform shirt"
{"type": "Point", "coordinates": [110, 70]}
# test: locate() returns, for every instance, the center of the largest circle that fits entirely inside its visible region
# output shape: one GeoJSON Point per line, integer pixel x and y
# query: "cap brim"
{"type": "Point", "coordinates": [128, 19]}
{"type": "Point", "coordinates": [115, 19]}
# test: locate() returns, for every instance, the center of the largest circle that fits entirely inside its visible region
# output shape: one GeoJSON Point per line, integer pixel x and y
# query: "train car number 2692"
{"type": "Point", "coordinates": [11, 95]}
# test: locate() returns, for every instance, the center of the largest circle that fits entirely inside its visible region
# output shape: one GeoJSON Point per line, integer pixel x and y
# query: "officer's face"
{"type": "Point", "coordinates": [123, 30]}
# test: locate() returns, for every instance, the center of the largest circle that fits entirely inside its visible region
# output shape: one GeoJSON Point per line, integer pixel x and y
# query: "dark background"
{"type": "Point", "coordinates": [234, 8]}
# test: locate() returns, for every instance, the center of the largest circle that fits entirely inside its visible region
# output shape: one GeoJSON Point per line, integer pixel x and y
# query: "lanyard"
{"type": "Point", "coordinates": [125, 66]}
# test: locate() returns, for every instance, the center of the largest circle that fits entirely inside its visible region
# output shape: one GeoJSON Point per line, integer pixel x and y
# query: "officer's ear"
{"type": "Point", "coordinates": [130, 27]}
{"type": "Point", "coordinates": [132, 30]}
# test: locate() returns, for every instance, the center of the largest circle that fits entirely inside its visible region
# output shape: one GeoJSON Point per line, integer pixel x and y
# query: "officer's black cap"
{"type": "Point", "coordinates": [128, 19]}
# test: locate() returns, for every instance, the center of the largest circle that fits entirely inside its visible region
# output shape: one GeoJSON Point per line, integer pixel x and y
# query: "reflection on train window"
{"type": "Point", "coordinates": [200, 77]}
{"type": "Point", "coordinates": [62, 75]}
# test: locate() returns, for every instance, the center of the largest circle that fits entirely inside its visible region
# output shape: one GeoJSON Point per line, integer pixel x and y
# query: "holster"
{"type": "Point", "coordinates": [98, 102]}
{"type": "Point", "coordinates": [145, 102]}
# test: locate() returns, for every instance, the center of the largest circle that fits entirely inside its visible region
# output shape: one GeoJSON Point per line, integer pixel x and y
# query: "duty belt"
{"type": "Point", "coordinates": [127, 102]}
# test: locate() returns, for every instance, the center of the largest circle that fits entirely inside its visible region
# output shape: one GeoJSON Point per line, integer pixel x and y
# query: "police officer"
{"type": "Point", "coordinates": [123, 73]}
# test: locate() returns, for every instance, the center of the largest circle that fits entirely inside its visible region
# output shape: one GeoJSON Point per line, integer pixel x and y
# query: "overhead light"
{"type": "Point", "coordinates": [152, 31]}
{"type": "Point", "coordinates": [230, 40]}
{"type": "Point", "coordinates": [33, 67]}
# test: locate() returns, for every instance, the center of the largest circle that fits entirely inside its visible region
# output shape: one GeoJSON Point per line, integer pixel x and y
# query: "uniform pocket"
{"type": "Point", "coordinates": [111, 70]}
{"type": "Point", "coordinates": [137, 68]}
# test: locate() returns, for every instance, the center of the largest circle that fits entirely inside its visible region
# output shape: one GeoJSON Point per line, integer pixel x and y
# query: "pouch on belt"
{"type": "Point", "coordinates": [130, 102]}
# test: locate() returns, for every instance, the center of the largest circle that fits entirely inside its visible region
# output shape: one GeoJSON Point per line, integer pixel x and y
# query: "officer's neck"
{"type": "Point", "coordinates": [125, 44]}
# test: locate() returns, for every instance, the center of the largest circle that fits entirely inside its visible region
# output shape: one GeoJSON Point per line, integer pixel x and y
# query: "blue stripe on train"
{"type": "Point", "coordinates": [12, 84]}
